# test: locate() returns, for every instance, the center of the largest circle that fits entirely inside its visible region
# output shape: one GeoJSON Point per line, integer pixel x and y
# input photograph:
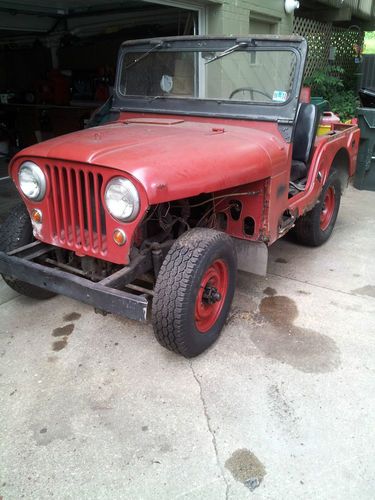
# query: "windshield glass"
{"type": "Point", "coordinates": [244, 75]}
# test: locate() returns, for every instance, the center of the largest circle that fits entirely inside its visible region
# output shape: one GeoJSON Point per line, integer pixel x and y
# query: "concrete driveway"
{"type": "Point", "coordinates": [281, 407]}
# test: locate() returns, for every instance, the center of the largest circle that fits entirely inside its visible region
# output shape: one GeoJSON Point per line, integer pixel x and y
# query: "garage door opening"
{"type": "Point", "coordinates": [57, 64]}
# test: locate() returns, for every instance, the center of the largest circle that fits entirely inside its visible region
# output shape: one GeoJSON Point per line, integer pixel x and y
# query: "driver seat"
{"type": "Point", "coordinates": [304, 137]}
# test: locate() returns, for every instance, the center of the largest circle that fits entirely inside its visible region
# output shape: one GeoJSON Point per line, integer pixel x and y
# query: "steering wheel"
{"type": "Point", "coordinates": [251, 90]}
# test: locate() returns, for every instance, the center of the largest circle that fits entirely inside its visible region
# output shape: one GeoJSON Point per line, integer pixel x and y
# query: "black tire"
{"type": "Point", "coordinates": [310, 229]}
{"type": "Point", "coordinates": [16, 232]}
{"type": "Point", "coordinates": [178, 291]}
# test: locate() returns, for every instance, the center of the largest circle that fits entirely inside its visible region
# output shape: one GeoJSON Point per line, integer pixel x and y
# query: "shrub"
{"type": "Point", "coordinates": [326, 82]}
{"type": "Point", "coordinates": [329, 83]}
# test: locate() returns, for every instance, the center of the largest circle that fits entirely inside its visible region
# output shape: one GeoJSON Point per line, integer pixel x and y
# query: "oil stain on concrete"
{"type": "Point", "coordinates": [246, 468]}
{"type": "Point", "coordinates": [302, 348]}
{"type": "Point", "coordinates": [368, 290]}
{"type": "Point", "coordinates": [55, 428]}
{"type": "Point", "coordinates": [59, 345]}
{"type": "Point", "coordinates": [73, 316]}
{"type": "Point", "coordinates": [62, 333]}
{"type": "Point", "coordinates": [270, 291]}
{"type": "Point", "coordinates": [281, 260]}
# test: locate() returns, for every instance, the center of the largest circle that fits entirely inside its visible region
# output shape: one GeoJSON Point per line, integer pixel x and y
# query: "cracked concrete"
{"type": "Point", "coordinates": [286, 396]}
{"type": "Point", "coordinates": [210, 430]}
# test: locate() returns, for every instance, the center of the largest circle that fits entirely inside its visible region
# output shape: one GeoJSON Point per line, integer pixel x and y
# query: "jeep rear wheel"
{"type": "Point", "coordinates": [194, 291]}
{"type": "Point", "coordinates": [315, 227]}
{"type": "Point", "coordinates": [17, 232]}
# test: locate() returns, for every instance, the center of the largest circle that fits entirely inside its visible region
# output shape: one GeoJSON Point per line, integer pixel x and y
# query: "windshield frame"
{"type": "Point", "coordinates": [281, 112]}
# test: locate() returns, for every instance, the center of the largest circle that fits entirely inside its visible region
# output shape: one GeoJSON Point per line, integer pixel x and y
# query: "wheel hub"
{"type": "Point", "coordinates": [211, 295]}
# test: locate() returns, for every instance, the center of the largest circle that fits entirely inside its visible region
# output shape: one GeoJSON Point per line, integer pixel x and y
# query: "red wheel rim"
{"type": "Point", "coordinates": [327, 209]}
{"type": "Point", "coordinates": [208, 305]}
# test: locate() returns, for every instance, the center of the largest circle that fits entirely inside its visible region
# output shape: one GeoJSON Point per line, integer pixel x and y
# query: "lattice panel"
{"type": "Point", "coordinates": [344, 42]}
{"type": "Point", "coordinates": [320, 37]}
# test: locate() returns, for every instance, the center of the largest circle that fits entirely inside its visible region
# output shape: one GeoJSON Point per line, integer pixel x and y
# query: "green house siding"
{"type": "Point", "coordinates": [249, 16]}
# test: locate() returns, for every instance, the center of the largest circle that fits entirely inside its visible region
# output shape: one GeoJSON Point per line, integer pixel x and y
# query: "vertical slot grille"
{"type": "Point", "coordinates": [76, 210]}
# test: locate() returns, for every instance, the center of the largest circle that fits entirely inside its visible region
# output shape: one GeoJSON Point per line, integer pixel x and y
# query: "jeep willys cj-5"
{"type": "Point", "coordinates": [206, 158]}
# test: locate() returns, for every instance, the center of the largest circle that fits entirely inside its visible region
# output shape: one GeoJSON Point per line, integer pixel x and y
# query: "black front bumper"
{"type": "Point", "coordinates": [100, 295]}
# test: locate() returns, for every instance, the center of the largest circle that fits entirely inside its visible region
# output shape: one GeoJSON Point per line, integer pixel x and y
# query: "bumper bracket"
{"type": "Point", "coordinates": [55, 280]}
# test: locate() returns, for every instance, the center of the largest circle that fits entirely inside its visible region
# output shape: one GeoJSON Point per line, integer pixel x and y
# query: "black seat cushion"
{"type": "Point", "coordinates": [305, 132]}
{"type": "Point", "coordinates": [299, 170]}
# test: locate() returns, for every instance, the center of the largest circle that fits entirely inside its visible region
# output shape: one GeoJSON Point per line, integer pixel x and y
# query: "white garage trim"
{"type": "Point", "coordinates": [192, 6]}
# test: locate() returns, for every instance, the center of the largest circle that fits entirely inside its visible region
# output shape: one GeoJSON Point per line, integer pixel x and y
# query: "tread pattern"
{"type": "Point", "coordinates": [307, 229]}
{"type": "Point", "coordinates": [16, 232]}
{"type": "Point", "coordinates": [174, 289]}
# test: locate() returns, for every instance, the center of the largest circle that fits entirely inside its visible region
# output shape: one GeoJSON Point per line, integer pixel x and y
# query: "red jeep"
{"type": "Point", "coordinates": [206, 158]}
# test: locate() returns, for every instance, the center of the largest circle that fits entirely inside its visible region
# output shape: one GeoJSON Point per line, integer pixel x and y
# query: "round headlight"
{"type": "Point", "coordinates": [122, 199]}
{"type": "Point", "coordinates": [32, 181]}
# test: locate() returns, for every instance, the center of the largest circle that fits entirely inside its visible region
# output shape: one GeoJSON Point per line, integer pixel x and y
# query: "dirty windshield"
{"type": "Point", "coordinates": [236, 74]}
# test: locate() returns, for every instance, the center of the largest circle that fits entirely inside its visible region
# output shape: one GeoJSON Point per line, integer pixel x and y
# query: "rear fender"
{"type": "Point", "coordinates": [341, 166]}
{"type": "Point", "coordinates": [339, 152]}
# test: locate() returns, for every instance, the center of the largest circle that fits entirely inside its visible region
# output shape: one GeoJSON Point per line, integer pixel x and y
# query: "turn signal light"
{"type": "Point", "coordinates": [119, 237]}
{"type": "Point", "coordinates": [36, 216]}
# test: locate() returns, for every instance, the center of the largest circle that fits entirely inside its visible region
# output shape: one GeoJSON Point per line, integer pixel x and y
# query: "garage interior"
{"type": "Point", "coordinates": [58, 61]}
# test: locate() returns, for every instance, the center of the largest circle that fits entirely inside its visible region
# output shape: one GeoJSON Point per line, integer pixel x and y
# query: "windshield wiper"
{"type": "Point", "coordinates": [136, 61]}
{"type": "Point", "coordinates": [227, 52]}
{"type": "Point", "coordinates": [153, 98]}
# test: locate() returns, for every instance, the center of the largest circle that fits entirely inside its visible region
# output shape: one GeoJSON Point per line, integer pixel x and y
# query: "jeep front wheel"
{"type": "Point", "coordinates": [17, 232]}
{"type": "Point", "coordinates": [194, 291]}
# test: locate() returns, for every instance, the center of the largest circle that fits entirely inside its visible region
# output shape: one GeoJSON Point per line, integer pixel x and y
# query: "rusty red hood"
{"type": "Point", "coordinates": [173, 158]}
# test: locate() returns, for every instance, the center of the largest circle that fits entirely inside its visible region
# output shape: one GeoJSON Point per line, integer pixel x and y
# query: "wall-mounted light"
{"type": "Point", "coordinates": [291, 6]}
